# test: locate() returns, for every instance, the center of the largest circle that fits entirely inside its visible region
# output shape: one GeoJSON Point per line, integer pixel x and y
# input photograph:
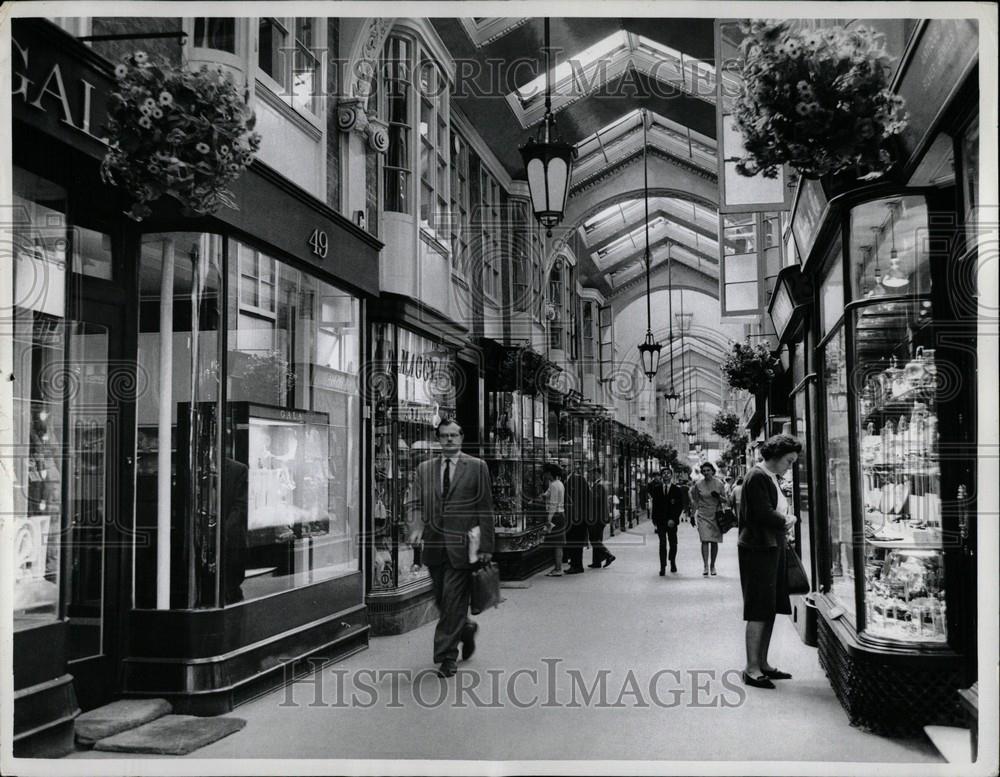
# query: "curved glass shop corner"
{"type": "Point", "coordinates": [249, 382]}
{"type": "Point", "coordinates": [896, 526]}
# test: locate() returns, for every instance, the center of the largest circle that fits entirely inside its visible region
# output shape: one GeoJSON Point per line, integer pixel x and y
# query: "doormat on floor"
{"type": "Point", "coordinates": [172, 735]}
{"type": "Point", "coordinates": [118, 716]}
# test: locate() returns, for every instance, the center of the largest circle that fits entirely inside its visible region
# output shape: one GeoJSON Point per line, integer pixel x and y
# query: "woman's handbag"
{"type": "Point", "coordinates": [795, 573]}
{"type": "Point", "coordinates": [485, 588]}
{"type": "Point", "coordinates": [726, 518]}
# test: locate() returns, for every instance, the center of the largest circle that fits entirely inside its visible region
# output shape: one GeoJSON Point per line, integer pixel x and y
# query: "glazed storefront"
{"type": "Point", "coordinates": [881, 345]}
{"type": "Point", "coordinates": [182, 527]}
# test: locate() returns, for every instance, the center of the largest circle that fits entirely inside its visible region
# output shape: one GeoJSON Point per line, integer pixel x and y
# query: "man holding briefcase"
{"type": "Point", "coordinates": [451, 495]}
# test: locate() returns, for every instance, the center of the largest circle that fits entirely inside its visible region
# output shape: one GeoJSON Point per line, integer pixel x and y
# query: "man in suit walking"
{"type": "Point", "coordinates": [669, 500]}
{"type": "Point", "coordinates": [578, 508]}
{"type": "Point", "coordinates": [451, 495]}
{"type": "Point", "coordinates": [600, 515]}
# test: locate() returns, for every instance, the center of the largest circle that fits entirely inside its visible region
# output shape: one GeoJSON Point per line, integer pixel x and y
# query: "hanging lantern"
{"type": "Point", "coordinates": [548, 161]}
{"type": "Point", "coordinates": [649, 353]}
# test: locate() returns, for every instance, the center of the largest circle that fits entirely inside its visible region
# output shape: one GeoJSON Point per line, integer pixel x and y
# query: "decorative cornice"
{"type": "Point", "coordinates": [500, 28]}
{"type": "Point", "coordinates": [607, 172]}
{"type": "Point", "coordinates": [363, 63]}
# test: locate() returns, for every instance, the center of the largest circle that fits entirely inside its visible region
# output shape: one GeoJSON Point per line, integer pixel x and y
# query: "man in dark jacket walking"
{"type": "Point", "coordinates": [577, 509]}
{"type": "Point", "coordinates": [669, 501]}
{"type": "Point", "coordinates": [600, 516]}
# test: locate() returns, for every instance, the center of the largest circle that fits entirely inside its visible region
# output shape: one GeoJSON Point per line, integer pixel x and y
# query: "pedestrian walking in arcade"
{"type": "Point", "coordinates": [669, 501]}
{"type": "Point", "coordinates": [577, 497]}
{"type": "Point", "coordinates": [450, 498]}
{"type": "Point", "coordinates": [600, 516]}
{"type": "Point", "coordinates": [555, 513]}
{"type": "Point", "coordinates": [707, 499]}
{"type": "Point", "coordinates": [764, 520]}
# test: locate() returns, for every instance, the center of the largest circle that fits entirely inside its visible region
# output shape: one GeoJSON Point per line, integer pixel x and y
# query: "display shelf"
{"type": "Point", "coordinates": [903, 544]}
{"type": "Point", "coordinates": [895, 469]}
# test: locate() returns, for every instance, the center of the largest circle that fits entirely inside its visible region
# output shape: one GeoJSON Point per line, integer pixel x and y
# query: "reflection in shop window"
{"type": "Point", "coordinates": [215, 33]}
{"type": "Point", "coordinates": [39, 247]}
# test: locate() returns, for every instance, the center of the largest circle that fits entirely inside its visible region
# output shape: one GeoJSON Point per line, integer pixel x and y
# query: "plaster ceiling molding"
{"type": "Point", "coordinates": [483, 31]}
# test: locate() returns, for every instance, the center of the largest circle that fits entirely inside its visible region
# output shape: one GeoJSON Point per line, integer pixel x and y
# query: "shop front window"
{"type": "Point", "coordinates": [904, 583]}
{"type": "Point", "coordinates": [889, 248]}
{"type": "Point", "coordinates": [180, 323]}
{"type": "Point", "coordinates": [838, 473]}
{"type": "Point", "coordinates": [413, 384]}
{"type": "Point", "coordinates": [292, 430]}
{"type": "Point", "coordinates": [215, 33]}
{"type": "Point", "coordinates": [40, 254]}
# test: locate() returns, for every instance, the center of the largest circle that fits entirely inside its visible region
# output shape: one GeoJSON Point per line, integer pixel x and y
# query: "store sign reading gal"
{"type": "Point", "coordinates": [48, 91]}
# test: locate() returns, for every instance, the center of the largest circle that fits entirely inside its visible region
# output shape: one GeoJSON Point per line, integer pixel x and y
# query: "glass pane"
{"type": "Point", "coordinates": [92, 254]}
{"type": "Point", "coordinates": [185, 440]}
{"type": "Point", "coordinates": [218, 34]}
{"type": "Point", "coordinates": [900, 473]}
{"type": "Point", "coordinates": [801, 472]}
{"type": "Point", "coordinates": [89, 508]}
{"type": "Point", "coordinates": [889, 251]}
{"type": "Point", "coordinates": [970, 168]}
{"type": "Point", "coordinates": [39, 337]}
{"type": "Point", "coordinates": [741, 296]}
{"type": "Point", "coordinates": [293, 516]}
{"type": "Point", "coordinates": [831, 293]}
{"type": "Point", "coordinates": [270, 49]}
{"type": "Point", "coordinates": [838, 473]}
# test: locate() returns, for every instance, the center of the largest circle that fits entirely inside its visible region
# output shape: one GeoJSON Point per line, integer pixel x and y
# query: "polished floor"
{"type": "Point", "coordinates": [656, 656]}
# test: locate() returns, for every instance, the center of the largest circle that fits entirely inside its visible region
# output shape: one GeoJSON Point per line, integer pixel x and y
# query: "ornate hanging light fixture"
{"type": "Point", "coordinates": [895, 278]}
{"type": "Point", "coordinates": [548, 161]}
{"type": "Point", "coordinates": [649, 349]}
{"type": "Point", "coordinates": [671, 398]}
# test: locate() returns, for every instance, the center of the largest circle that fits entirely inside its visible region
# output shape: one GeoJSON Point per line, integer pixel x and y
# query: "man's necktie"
{"type": "Point", "coordinates": [446, 482]}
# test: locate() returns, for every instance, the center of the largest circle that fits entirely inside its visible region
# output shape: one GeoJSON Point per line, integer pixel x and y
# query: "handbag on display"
{"type": "Point", "coordinates": [485, 588]}
{"type": "Point", "coordinates": [795, 573]}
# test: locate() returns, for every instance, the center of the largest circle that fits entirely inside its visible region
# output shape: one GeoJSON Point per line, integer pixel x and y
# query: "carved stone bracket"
{"type": "Point", "coordinates": [378, 134]}
{"type": "Point", "coordinates": [351, 115]}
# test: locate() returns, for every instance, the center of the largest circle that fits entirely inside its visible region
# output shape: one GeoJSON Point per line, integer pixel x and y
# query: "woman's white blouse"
{"type": "Point", "coordinates": [556, 493]}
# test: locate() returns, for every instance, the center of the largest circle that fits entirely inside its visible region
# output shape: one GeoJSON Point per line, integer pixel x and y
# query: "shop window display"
{"type": "Point", "coordinates": [412, 380]}
{"type": "Point", "coordinates": [838, 488]}
{"type": "Point", "coordinates": [256, 508]}
{"type": "Point", "coordinates": [39, 340]}
{"type": "Point", "coordinates": [899, 438]}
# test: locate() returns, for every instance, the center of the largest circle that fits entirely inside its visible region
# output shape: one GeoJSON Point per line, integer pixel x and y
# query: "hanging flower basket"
{"type": "Point", "coordinates": [816, 100]}
{"type": "Point", "coordinates": [177, 132]}
{"type": "Point", "coordinates": [750, 367]}
{"type": "Point", "coordinates": [726, 425]}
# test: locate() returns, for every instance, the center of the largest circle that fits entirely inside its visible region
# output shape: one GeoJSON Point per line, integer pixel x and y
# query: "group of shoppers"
{"type": "Point", "coordinates": [765, 522]}
{"type": "Point", "coordinates": [577, 512]}
{"type": "Point", "coordinates": [450, 508]}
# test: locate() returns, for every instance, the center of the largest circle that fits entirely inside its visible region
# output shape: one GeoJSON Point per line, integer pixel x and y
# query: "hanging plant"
{"type": "Point", "coordinates": [726, 425]}
{"type": "Point", "coordinates": [188, 134]}
{"type": "Point", "coordinates": [750, 367]}
{"type": "Point", "coordinates": [816, 100]}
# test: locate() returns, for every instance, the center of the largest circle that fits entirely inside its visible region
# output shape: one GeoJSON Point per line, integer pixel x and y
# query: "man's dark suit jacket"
{"type": "Point", "coordinates": [667, 506]}
{"type": "Point", "coordinates": [447, 518]}
{"type": "Point", "coordinates": [600, 507]}
{"type": "Point", "coordinates": [761, 525]}
{"type": "Point", "coordinates": [577, 499]}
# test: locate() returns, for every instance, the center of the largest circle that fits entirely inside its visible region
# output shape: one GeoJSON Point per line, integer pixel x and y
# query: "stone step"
{"type": "Point", "coordinates": [116, 717]}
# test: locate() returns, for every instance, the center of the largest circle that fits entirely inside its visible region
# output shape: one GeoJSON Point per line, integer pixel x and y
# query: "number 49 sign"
{"type": "Point", "coordinates": [319, 243]}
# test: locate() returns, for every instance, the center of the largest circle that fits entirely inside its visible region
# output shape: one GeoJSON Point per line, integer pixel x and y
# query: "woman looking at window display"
{"type": "Point", "coordinates": [554, 497]}
{"type": "Point", "coordinates": [764, 520]}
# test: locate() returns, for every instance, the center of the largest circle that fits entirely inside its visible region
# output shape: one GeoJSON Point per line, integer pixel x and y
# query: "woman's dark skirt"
{"type": "Point", "coordinates": [557, 537]}
{"type": "Point", "coordinates": [765, 583]}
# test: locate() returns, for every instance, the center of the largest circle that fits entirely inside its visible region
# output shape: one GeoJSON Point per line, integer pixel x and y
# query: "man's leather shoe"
{"type": "Point", "coordinates": [447, 669]}
{"type": "Point", "coordinates": [673, 567]}
{"type": "Point", "coordinates": [469, 640]}
{"type": "Point", "coordinates": [574, 571]}
{"type": "Point", "coordinates": [594, 566]}
{"type": "Point", "coordinates": [662, 572]}
{"type": "Point", "coordinates": [608, 560]}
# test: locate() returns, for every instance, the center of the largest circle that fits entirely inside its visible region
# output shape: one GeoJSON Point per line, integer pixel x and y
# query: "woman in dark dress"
{"type": "Point", "coordinates": [764, 519]}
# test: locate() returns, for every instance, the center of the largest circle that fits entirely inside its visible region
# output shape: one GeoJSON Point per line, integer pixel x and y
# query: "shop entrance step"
{"type": "Point", "coordinates": [954, 744]}
{"type": "Point", "coordinates": [116, 717]}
